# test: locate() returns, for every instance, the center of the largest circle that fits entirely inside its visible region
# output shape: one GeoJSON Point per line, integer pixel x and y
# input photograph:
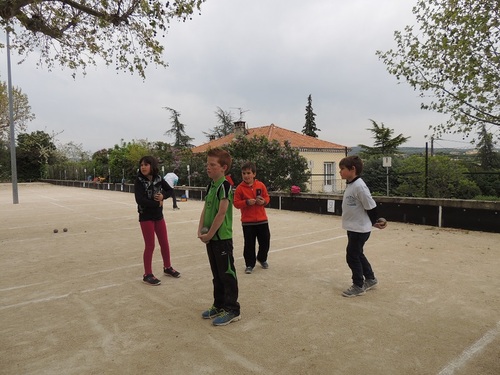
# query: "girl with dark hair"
{"type": "Point", "coordinates": [150, 192]}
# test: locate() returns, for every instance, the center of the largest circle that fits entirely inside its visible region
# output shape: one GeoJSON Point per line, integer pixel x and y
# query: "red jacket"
{"type": "Point", "coordinates": [254, 213]}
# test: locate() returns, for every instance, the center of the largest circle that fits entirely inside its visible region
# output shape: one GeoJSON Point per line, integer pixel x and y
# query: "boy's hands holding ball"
{"type": "Point", "coordinates": [260, 201]}
{"type": "Point", "coordinates": [381, 223]}
{"type": "Point", "coordinates": [203, 232]}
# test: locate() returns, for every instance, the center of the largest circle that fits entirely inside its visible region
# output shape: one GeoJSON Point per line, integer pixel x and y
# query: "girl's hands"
{"type": "Point", "coordinates": [159, 198]}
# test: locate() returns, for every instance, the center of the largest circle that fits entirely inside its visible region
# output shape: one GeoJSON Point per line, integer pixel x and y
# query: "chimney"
{"type": "Point", "coordinates": [239, 128]}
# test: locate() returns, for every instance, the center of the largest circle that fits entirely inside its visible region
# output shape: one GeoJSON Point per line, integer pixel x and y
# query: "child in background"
{"type": "Point", "coordinates": [251, 197]}
{"type": "Point", "coordinates": [359, 214]}
{"type": "Point", "coordinates": [172, 179]}
{"type": "Point", "coordinates": [150, 192]}
{"type": "Point", "coordinates": [217, 217]}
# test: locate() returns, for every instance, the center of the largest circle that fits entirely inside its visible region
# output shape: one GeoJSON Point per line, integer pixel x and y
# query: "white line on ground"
{"type": "Point", "coordinates": [308, 244]}
{"type": "Point", "coordinates": [472, 350]}
{"type": "Point", "coordinates": [100, 288]}
{"type": "Point", "coordinates": [21, 286]}
{"type": "Point", "coordinates": [35, 301]}
{"type": "Point", "coordinates": [303, 234]}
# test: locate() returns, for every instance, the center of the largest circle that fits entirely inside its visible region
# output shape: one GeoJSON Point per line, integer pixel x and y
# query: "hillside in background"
{"type": "Point", "coordinates": [421, 150]}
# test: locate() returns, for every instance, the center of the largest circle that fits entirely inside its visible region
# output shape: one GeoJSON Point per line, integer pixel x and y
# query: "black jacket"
{"type": "Point", "coordinates": [144, 190]}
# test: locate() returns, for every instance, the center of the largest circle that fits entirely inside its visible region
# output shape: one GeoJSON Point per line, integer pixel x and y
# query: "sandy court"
{"type": "Point", "coordinates": [74, 302]}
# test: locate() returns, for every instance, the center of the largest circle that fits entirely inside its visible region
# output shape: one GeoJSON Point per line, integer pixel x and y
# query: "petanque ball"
{"type": "Point", "coordinates": [65, 229]}
{"type": "Point", "coordinates": [55, 231]}
{"type": "Point", "coordinates": [204, 230]}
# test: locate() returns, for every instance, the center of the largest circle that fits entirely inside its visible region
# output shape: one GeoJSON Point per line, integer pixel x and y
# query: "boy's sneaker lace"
{"type": "Point", "coordinates": [225, 318]}
{"type": "Point", "coordinates": [354, 291]}
{"type": "Point", "coordinates": [151, 279]}
{"type": "Point", "coordinates": [212, 312]}
{"type": "Point", "coordinates": [171, 272]}
{"type": "Point", "coordinates": [370, 283]}
{"type": "Point", "coordinates": [248, 269]}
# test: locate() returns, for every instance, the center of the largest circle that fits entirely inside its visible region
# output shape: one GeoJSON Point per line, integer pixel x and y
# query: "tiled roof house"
{"type": "Point", "coordinates": [322, 156]}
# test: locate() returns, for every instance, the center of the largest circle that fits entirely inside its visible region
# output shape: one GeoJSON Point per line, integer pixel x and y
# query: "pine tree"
{"type": "Point", "coordinates": [486, 150]}
{"type": "Point", "coordinates": [384, 144]}
{"type": "Point", "coordinates": [310, 125]}
{"type": "Point", "coordinates": [225, 125]}
{"type": "Point", "coordinates": [177, 130]}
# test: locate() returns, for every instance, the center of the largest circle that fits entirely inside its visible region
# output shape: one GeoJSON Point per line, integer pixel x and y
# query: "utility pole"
{"type": "Point", "coordinates": [13, 162]}
{"type": "Point", "coordinates": [426, 194]}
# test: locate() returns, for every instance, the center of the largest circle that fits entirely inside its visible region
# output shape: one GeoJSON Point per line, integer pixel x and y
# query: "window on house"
{"type": "Point", "coordinates": [329, 173]}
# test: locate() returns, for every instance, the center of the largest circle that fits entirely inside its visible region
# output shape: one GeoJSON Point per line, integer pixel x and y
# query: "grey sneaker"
{"type": "Point", "coordinates": [248, 270]}
{"type": "Point", "coordinates": [212, 312]}
{"type": "Point", "coordinates": [264, 265]}
{"type": "Point", "coordinates": [225, 318]}
{"type": "Point", "coordinates": [353, 291]}
{"type": "Point", "coordinates": [370, 283]}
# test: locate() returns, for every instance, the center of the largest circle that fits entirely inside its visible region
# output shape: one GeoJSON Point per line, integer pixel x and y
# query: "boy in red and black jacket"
{"type": "Point", "coordinates": [251, 197]}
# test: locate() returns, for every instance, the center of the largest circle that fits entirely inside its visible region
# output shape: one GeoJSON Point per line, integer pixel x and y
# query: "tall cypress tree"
{"type": "Point", "coordinates": [310, 125]}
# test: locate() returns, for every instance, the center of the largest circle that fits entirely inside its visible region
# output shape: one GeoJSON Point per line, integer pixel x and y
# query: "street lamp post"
{"type": "Point", "coordinates": [189, 181]}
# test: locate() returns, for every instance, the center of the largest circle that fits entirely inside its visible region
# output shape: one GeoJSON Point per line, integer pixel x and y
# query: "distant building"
{"type": "Point", "coordinates": [323, 157]}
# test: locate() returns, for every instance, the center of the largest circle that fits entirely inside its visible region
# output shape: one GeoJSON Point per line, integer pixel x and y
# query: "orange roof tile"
{"type": "Point", "coordinates": [273, 132]}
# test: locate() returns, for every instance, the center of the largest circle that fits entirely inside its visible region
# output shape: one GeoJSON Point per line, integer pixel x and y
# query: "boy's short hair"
{"type": "Point", "coordinates": [153, 162]}
{"type": "Point", "coordinates": [249, 165]}
{"type": "Point", "coordinates": [222, 156]}
{"type": "Point", "coordinates": [350, 162]}
{"type": "Point", "coordinates": [176, 170]}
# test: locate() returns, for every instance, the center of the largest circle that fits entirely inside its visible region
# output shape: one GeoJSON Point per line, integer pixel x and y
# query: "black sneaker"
{"type": "Point", "coordinates": [171, 272]}
{"type": "Point", "coordinates": [151, 280]}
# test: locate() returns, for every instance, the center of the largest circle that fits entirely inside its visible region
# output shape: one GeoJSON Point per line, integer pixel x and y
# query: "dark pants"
{"type": "Point", "coordinates": [261, 233]}
{"type": "Point", "coordinates": [355, 258]}
{"type": "Point", "coordinates": [174, 199]}
{"type": "Point", "coordinates": [220, 256]}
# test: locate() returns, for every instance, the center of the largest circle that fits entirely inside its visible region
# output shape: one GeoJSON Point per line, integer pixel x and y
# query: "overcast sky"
{"type": "Point", "coordinates": [264, 56]}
